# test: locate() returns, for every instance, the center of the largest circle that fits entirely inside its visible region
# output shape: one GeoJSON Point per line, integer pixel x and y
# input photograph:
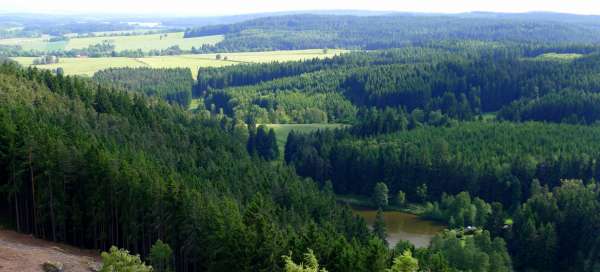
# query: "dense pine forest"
{"type": "Point", "coordinates": [461, 80]}
{"type": "Point", "coordinates": [487, 125]}
{"type": "Point", "coordinates": [173, 85]}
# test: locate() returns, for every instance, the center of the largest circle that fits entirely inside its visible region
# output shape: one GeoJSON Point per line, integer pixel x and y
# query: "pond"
{"type": "Point", "coordinates": [404, 226]}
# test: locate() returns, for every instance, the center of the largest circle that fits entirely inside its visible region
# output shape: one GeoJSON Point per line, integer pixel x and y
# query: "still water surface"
{"type": "Point", "coordinates": [404, 226]}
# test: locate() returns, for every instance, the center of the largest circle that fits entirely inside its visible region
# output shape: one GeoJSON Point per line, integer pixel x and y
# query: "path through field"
{"type": "Point", "coordinates": [20, 252]}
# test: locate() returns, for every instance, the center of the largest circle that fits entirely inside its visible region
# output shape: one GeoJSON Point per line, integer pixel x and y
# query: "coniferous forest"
{"type": "Point", "coordinates": [489, 127]}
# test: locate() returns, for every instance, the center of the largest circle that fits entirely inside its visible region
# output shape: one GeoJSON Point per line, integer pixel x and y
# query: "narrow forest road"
{"type": "Point", "coordinates": [23, 253]}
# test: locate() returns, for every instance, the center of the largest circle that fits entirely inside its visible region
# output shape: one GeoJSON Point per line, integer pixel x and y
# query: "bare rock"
{"type": "Point", "coordinates": [94, 266]}
{"type": "Point", "coordinates": [53, 267]}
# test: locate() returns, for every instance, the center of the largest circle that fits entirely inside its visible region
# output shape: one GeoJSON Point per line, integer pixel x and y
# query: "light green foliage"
{"type": "Point", "coordinates": [400, 198]}
{"type": "Point", "coordinates": [460, 210]}
{"type": "Point", "coordinates": [380, 195]}
{"type": "Point", "coordinates": [478, 252]}
{"type": "Point", "coordinates": [161, 256]}
{"type": "Point", "coordinates": [310, 264]}
{"type": "Point", "coordinates": [404, 263]}
{"type": "Point", "coordinates": [119, 260]}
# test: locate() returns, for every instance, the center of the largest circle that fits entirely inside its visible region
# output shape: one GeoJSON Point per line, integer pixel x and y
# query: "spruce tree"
{"type": "Point", "coordinates": [379, 228]}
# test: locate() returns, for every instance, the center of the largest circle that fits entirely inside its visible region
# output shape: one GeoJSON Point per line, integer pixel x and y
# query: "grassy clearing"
{"type": "Point", "coordinates": [116, 32]}
{"type": "Point", "coordinates": [88, 66]}
{"type": "Point", "coordinates": [282, 130]}
{"type": "Point", "coordinates": [84, 66]}
{"type": "Point", "coordinates": [559, 56]}
{"type": "Point", "coordinates": [145, 42]}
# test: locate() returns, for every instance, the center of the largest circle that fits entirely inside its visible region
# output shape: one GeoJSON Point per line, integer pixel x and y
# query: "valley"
{"type": "Point", "coordinates": [300, 142]}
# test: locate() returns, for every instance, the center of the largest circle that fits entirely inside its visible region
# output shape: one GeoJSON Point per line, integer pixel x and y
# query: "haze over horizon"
{"type": "Point", "coordinates": [233, 7]}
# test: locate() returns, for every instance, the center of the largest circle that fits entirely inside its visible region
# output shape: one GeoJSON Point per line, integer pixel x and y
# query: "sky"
{"type": "Point", "coordinates": [230, 7]}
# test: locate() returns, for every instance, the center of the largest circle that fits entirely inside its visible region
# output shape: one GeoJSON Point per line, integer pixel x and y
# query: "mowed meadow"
{"type": "Point", "coordinates": [145, 42]}
{"type": "Point", "coordinates": [88, 66]}
{"type": "Point", "coordinates": [283, 130]}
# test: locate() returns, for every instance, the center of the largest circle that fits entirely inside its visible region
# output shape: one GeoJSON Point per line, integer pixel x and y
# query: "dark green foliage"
{"type": "Point", "coordinates": [262, 143]}
{"type": "Point", "coordinates": [557, 230]}
{"type": "Point", "coordinates": [379, 229]}
{"type": "Point", "coordinates": [161, 257]}
{"type": "Point", "coordinates": [463, 88]}
{"type": "Point", "coordinates": [567, 106]}
{"type": "Point", "coordinates": [441, 81]}
{"type": "Point", "coordinates": [174, 85]}
{"type": "Point", "coordinates": [493, 161]}
{"type": "Point", "coordinates": [94, 167]}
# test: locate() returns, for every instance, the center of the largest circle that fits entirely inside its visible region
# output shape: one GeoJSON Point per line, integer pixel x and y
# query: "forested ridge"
{"type": "Point", "coordinates": [461, 80]}
{"type": "Point", "coordinates": [93, 167]}
{"type": "Point", "coordinates": [390, 31]}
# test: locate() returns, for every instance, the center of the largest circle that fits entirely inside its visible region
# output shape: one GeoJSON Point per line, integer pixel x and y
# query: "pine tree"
{"type": "Point", "coordinates": [161, 257]}
{"type": "Point", "coordinates": [273, 147]}
{"type": "Point", "coordinates": [379, 228]}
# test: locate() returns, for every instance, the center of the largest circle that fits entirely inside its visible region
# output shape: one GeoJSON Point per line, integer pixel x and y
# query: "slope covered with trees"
{"type": "Point", "coordinates": [92, 167]}
{"type": "Point", "coordinates": [565, 106]}
{"type": "Point", "coordinates": [460, 80]}
{"type": "Point", "coordinates": [172, 84]}
{"type": "Point", "coordinates": [495, 161]}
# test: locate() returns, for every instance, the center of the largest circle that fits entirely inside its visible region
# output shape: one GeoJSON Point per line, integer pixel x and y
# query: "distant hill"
{"type": "Point", "coordinates": [299, 31]}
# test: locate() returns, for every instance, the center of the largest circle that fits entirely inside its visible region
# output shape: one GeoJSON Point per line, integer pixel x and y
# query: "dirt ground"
{"type": "Point", "coordinates": [24, 253]}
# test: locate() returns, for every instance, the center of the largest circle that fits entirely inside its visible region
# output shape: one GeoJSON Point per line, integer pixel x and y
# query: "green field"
{"type": "Point", "coordinates": [145, 42]}
{"type": "Point", "coordinates": [88, 66]}
{"type": "Point", "coordinates": [133, 42]}
{"type": "Point", "coordinates": [559, 56]}
{"type": "Point", "coordinates": [38, 44]}
{"type": "Point", "coordinates": [282, 130]}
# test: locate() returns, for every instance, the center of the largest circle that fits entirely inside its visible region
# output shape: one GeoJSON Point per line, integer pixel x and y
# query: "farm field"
{"type": "Point", "coordinates": [117, 32]}
{"type": "Point", "coordinates": [88, 66]}
{"type": "Point", "coordinates": [145, 42]}
{"type": "Point", "coordinates": [37, 44]}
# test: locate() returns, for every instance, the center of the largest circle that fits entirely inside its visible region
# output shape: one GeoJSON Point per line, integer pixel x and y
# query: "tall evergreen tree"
{"type": "Point", "coordinates": [379, 228]}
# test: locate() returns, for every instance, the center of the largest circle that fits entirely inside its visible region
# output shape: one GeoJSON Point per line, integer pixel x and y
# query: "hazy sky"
{"type": "Point", "coordinates": [220, 7]}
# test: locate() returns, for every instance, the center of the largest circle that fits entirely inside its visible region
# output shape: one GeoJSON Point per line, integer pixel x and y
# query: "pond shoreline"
{"type": "Point", "coordinates": [402, 223]}
{"type": "Point", "coordinates": [364, 203]}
